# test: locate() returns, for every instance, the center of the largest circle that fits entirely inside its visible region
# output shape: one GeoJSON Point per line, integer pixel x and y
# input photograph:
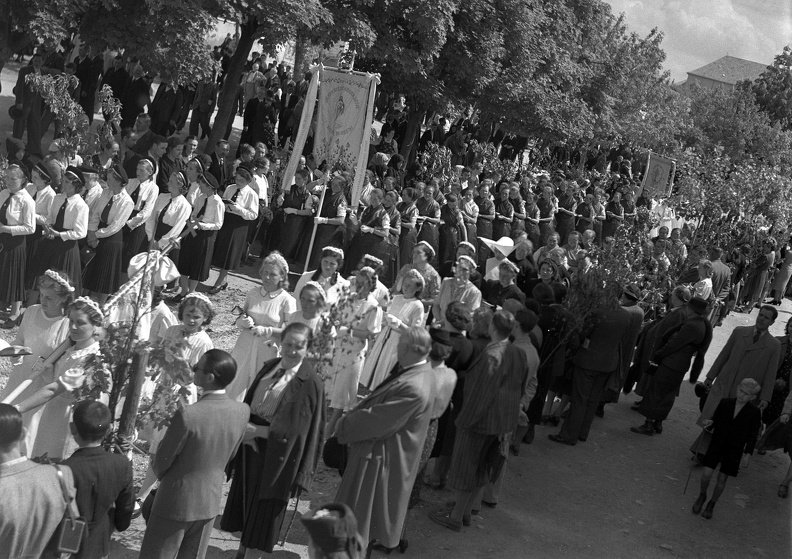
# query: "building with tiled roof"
{"type": "Point", "coordinates": [725, 72]}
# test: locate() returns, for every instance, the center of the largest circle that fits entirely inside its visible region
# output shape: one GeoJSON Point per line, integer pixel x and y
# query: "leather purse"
{"type": "Point", "coordinates": [86, 255]}
{"type": "Point", "coordinates": [334, 455]}
{"type": "Point", "coordinates": [69, 534]}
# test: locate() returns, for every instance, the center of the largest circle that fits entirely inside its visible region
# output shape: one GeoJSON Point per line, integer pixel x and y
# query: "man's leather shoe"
{"type": "Point", "coordinates": [443, 518]}
{"type": "Point", "coordinates": [645, 429]}
{"type": "Point", "coordinates": [560, 439]}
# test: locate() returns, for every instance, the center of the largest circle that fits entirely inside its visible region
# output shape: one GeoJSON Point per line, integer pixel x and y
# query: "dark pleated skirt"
{"type": "Point", "coordinates": [259, 520]}
{"type": "Point", "coordinates": [135, 242]}
{"type": "Point", "coordinates": [32, 243]}
{"type": "Point", "coordinates": [292, 237]}
{"type": "Point", "coordinates": [13, 259]}
{"type": "Point", "coordinates": [195, 256]}
{"type": "Point", "coordinates": [407, 241]}
{"type": "Point", "coordinates": [231, 243]}
{"type": "Point", "coordinates": [363, 244]}
{"type": "Point", "coordinates": [61, 256]}
{"type": "Point", "coordinates": [103, 273]}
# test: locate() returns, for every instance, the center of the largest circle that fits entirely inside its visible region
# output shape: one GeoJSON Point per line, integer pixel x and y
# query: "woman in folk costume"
{"type": "Point", "coordinates": [328, 220]}
{"type": "Point", "coordinates": [17, 223]}
{"type": "Point", "coordinates": [43, 195]}
{"type": "Point", "coordinates": [64, 226]}
{"type": "Point", "coordinates": [281, 448]}
{"type": "Point", "coordinates": [102, 275]}
{"type": "Point", "coordinates": [242, 205]}
{"type": "Point", "coordinates": [197, 248]}
{"type": "Point", "coordinates": [143, 191]}
{"type": "Point", "coordinates": [170, 214]}
{"type": "Point", "coordinates": [371, 238]}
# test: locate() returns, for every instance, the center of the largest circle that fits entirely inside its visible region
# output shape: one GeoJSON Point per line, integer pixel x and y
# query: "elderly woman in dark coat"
{"type": "Point", "coordinates": [285, 436]}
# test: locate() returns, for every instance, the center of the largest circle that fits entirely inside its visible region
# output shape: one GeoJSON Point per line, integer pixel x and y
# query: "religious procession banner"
{"type": "Point", "coordinates": [345, 102]}
{"type": "Point", "coordinates": [659, 176]}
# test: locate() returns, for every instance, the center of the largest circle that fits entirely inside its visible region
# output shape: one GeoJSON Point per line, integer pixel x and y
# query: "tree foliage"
{"type": "Point", "coordinates": [773, 89]}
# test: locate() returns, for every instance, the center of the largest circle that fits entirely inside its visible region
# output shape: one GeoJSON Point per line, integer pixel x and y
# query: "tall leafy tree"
{"type": "Point", "coordinates": [773, 89]}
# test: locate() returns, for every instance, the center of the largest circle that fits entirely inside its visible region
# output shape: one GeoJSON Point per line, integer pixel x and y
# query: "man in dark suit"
{"type": "Point", "coordinates": [190, 464]}
{"type": "Point", "coordinates": [145, 134]}
{"type": "Point", "coordinates": [89, 71]}
{"type": "Point", "coordinates": [29, 106]}
{"type": "Point", "coordinates": [116, 77]}
{"type": "Point", "coordinates": [203, 106]}
{"type": "Point", "coordinates": [721, 285]}
{"type": "Point", "coordinates": [672, 354]}
{"type": "Point", "coordinates": [103, 479]}
{"type": "Point", "coordinates": [494, 385]}
{"type": "Point", "coordinates": [599, 356]}
{"type": "Point", "coordinates": [735, 428]}
{"type": "Point", "coordinates": [165, 108]}
{"type": "Point", "coordinates": [259, 113]}
{"type": "Point", "coordinates": [135, 98]}
{"type": "Point", "coordinates": [219, 167]}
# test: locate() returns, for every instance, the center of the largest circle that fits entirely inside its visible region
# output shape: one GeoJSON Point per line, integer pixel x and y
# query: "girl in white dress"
{"type": "Point", "coordinates": [187, 341]}
{"type": "Point", "coordinates": [266, 308]}
{"type": "Point", "coordinates": [44, 327]}
{"type": "Point", "coordinates": [68, 374]}
{"type": "Point", "coordinates": [361, 321]}
{"type": "Point", "coordinates": [405, 311]}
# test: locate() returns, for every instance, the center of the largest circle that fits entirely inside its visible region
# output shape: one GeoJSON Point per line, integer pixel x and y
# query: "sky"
{"type": "Point", "coordinates": [697, 32]}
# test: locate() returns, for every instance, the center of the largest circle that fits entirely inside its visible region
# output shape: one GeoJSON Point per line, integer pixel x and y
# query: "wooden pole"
{"type": "Point", "coordinates": [126, 424]}
{"type": "Point", "coordinates": [315, 225]}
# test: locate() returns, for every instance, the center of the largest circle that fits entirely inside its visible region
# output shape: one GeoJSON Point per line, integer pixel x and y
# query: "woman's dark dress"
{"type": "Point", "coordinates": [294, 226]}
{"type": "Point", "coordinates": [326, 234]}
{"type": "Point", "coordinates": [450, 233]}
{"type": "Point", "coordinates": [501, 228]}
{"type": "Point", "coordinates": [408, 237]}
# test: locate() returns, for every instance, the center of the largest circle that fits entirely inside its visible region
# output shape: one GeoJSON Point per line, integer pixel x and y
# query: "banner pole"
{"type": "Point", "coordinates": [315, 226]}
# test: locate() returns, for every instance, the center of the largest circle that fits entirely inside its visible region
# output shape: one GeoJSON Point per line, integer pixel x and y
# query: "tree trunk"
{"type": "Point", "coordinates": [301, 45]}
{"type": "Point", "coordinates": [226, 101]}
{"type": "Point", "coordinates": [126, 424]}
{"type": "Point", "coordinates": [412, 134]}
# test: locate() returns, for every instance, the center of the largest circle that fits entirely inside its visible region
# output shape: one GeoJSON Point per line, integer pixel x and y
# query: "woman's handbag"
{"type": "Point", "coordinates": [334, 455]}
{"type": "Point", "coordinates": [86, 255]}
{"type": "Point", "coordinates": [70, 531]}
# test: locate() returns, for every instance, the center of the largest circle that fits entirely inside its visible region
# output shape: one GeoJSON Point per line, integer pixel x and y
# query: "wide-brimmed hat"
{"type": "Point", "coordinates": [165, 273]}
{"type": "Point", "coordinates": [505, 245]}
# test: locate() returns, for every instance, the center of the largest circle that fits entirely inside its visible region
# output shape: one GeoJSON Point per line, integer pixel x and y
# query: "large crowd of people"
{"type": "Point", "coordinates": [431, 321]}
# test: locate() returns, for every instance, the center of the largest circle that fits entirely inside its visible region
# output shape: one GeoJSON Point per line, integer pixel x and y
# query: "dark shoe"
{"type": "Point", "coordinates": [489, 504]}
{"type": "Point", "coordinates": [582, 439]}
{"type": "Point", "coordinates": [530, 434]}
{"type": "Point", "coordinates": [437, 486]}
{"type": "Point", "coordinates": [554, 420]}
{"type": "Point", "coordinates": [560, 439]}
{"type": "Point", "coordinates": [645, 429]}
{"type": "Point", "coordinates": [175, 300]}
{"type": "Point", "coordinates": [658, 426]}
{"type": "Point", "coordinates": [761, 451]}
{"type": "Point", "coordinates": [514, 450]}
{"type": "Point", "coordinates": [443, 518]}
{"type": "Point", "coordinates": [218, 288]}
{"type": "Point", "coordinates": [545, 419]}
{"type": "Point", "coordinates": [699, 503]}
{"type": "Point", "coordinates": [783, 491]}
{"type": "Point", "coordinates": [600, 411]}
{"type": "Point", "coordinates": [708, 511]}
{"type": "Point", "coordinates": [466, 519]}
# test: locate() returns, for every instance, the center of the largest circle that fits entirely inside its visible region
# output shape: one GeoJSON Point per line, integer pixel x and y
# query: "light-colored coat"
{"type": "Point", "coordinates": [739, 359]}
{"type": "Point", "coordinates": [386, 434]}
{"type": "Point", "coordinates": [31, 507]}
